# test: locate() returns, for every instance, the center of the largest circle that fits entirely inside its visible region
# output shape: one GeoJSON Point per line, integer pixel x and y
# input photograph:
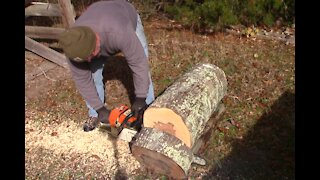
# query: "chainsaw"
{"type": "Point", "coordinates": [123, 123]}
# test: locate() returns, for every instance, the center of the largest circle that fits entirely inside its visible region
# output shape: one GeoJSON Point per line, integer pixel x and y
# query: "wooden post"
{"type": "Point", "coordinates": [43, 32]}
{"type": "Point", "coordinates": [65, 10]}
{"type": "Point", "coordinates": [43, 9]}
{"type": "Point", "coordinates": [46, 52]}
{"type": "Point", "coordinates": [68, 13]}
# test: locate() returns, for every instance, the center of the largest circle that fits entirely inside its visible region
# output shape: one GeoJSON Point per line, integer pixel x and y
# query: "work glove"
{"type": "Point", "coordinates": [138, 104]}
{"type": "Point", "coordinates": [103, 115]}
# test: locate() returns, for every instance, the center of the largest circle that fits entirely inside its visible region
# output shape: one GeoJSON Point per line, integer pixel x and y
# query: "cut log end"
{"type": "Point", "coordinates": [168, 121]}
{"type": "Point", "coordinates": [161, 152]}
{"type": "Point", "coordinates": [158, 162]}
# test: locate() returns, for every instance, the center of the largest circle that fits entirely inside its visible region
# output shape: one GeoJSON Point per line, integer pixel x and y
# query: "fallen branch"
{"type": "Point", "coordinates": [261, 36]}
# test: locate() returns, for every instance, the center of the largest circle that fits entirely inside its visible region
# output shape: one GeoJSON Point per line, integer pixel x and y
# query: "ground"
{"type": "Point", "coordinates": [254, 138]}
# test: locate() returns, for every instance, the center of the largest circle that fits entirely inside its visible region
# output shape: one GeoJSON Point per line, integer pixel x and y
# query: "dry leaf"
{"type": "Point", "coordinates": [235, 123]}
{"type": "Point", "coordinates": [54, 133]}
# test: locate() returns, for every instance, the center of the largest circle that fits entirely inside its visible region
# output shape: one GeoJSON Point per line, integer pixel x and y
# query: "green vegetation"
{"type": "Point", "coordinates": [215, 14]}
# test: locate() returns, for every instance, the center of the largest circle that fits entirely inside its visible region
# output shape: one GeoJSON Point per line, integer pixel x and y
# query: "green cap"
{"type": "Point", "coordinates": [78, 43]}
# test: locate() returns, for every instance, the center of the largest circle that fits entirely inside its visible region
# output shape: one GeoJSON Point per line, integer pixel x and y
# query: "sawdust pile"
{"type": "Point", "coordinates": [63, 150]}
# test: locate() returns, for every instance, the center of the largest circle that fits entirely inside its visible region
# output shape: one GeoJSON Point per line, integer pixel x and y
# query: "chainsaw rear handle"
{"type": "Point", "coordinates": [125, 121]}
{"type": "Point", "coordinates": [132, 113]}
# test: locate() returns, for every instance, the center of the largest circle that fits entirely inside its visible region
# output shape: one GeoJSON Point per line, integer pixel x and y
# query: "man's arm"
{"type": "Point", "coordinates": [84, 82]}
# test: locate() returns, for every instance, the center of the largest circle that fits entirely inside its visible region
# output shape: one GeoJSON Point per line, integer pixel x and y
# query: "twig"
{"type": "Point", "coordinates": [44, 73]}
{"type": "Point", "coordinates": [235, 97]}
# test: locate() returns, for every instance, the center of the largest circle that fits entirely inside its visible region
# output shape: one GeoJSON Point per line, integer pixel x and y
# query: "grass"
{"type": "Point", "coordinates": [255, 137]}
{"type": "Point", "coordinates": [255, 84]}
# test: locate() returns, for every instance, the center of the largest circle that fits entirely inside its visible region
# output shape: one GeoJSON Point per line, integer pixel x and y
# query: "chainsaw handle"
{"type": "Point", "coordinates": [131, 114]}
{"type": "Point", "coordinates": [125, 121]}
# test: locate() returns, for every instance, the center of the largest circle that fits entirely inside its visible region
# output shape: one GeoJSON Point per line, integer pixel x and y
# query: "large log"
{"type": "Point", "coordinates": [178, 122]}
{"type": "Point", "coordinates": [185, 107]}
{"type": "Point", "coordinates": [159, 151]}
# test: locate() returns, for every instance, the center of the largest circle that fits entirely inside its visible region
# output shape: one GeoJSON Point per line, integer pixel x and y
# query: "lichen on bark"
{"type": "Point", "coordinates": [195, 96]}
{"type": "Point", "coordinates": [166, 144]}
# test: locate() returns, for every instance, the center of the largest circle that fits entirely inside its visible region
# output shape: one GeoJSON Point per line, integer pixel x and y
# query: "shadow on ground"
{"type": "Point", "coordinates": [268, 150]}
{"type": "Point", "coordinates": [116, 68]}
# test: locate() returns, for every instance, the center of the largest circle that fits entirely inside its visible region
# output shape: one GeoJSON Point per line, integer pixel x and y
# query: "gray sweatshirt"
{"type": "Point", "coordinates": [115, 22]}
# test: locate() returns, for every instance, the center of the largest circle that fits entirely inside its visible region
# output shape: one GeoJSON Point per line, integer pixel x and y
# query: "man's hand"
{"type": "Point", "coordinates": [103, 115]}
{"type": "Point", "coordinates": [138, 104]}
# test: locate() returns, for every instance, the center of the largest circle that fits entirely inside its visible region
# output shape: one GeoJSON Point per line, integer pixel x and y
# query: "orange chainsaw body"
{"type": "Point", "coordinates": [118, 115]}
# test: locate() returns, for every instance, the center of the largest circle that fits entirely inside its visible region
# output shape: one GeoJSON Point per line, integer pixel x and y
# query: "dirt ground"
{"type": "Point", "coordinates": [42, 83]}
{"type": "Point", "coordinates": [59, 138]}
{"type": "Point", "coordinates": [254, 140]}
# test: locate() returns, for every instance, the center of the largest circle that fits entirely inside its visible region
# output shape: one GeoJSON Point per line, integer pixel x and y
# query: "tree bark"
{"type": "Point", "coordinates": [162, 152]}
{"type": "Point", "coordinates": [185, 107]}
{"type": "Point", "coordinates": [203, 140]}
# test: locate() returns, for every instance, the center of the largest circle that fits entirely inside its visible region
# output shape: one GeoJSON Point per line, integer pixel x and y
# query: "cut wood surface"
{"type": "Point", "coordinates": [43, 32]}
{"type": "Point", "coordinates": [185, 107]}
{"type": "Point", "coordinates": [46, 52]}
{"type": "Point", "coordinates": [43, 9]}
{"type": "Point", "coordinates": [162, 152]}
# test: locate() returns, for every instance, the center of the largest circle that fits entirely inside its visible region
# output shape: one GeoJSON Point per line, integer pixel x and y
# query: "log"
{"type": "Point", "coordinates": [43, 9]}
{"type": "Point", "coordinates": [162, 152]}
{"type": "Point", "coordinates": [68, 13]}
{"type": "Point", "coordinates": [151, 146]}
{"type": "Point", "coordinates": [185, 107]}
{"type": "Point", "coordinates": [177, 124]}
{"type": "Point", "coordinates": [46, 52]}
{"type": "Point", "coordinates": [43, 32]}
